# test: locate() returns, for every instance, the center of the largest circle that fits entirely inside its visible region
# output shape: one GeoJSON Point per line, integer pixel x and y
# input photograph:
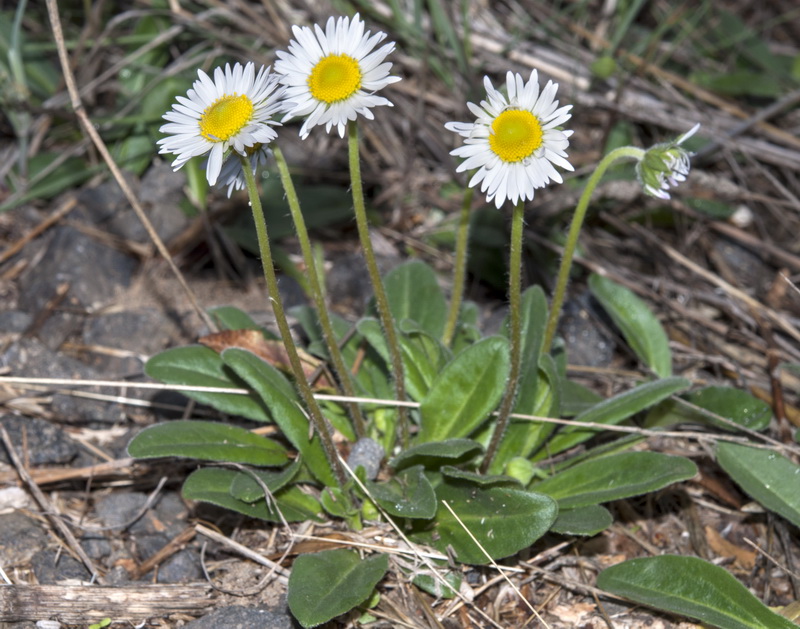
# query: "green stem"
{"type": "Point", "coordinates": [460, 270]}
{"type": "Point", "coordinates": [385, 315]}
{"type": "Point", "coordinates": [514, 333]}
{"type": "Point", "coordinates": [340, 367]}
{"type": "Point", "coordinates": [306, 393]}
{"type": "Point", "coordinates": [624, 152]}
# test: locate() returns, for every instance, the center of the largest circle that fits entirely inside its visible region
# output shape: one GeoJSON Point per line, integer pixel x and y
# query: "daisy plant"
{"type": "Point", "coordinates": [658, 169]}
{"type": "Point", "coordinates": [331, 78]}
{"type": "Point", "coordinates": [230, 120]}
{"type": "Point", "coordinates": [514, 143]}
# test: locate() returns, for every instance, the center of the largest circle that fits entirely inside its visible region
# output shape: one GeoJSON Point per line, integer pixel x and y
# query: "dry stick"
{"type": "Point", "coordinates": [88, 127]}
{"type": "Point", "coordinates": [243, 550]}
{"type": "Point", "coordinates": [48, 508]}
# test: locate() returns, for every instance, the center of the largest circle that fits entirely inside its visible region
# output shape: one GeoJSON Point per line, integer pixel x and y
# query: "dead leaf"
{"type": "Point", "coordinates": [272, 352]}
{"type": "Point", "coordinates": [743, 557]}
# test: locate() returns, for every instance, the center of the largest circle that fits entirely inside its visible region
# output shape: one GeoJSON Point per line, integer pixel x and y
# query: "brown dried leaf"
{"type": "Point", "coordinates": [272, 352]}
{"type": "Point", "coordinates": [743, 557]}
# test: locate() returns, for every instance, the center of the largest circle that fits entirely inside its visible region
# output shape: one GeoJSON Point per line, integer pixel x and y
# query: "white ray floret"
{"type": "Point", "coordinates": [515, 140]}
{"type": "Point", "coordinates": [332, 76]}
{"type": "Point", "coordinates": [233, 111]}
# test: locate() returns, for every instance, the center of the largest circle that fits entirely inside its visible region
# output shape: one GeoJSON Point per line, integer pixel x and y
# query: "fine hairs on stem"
{"type": "Point", "coordinates": [315, 412]}
{"type": "Point", "coordinates": [339, 366]}
{"type": "Point", "coordinates": [514, 333]}
{"type": "Point", "coordinates": [382, 302]}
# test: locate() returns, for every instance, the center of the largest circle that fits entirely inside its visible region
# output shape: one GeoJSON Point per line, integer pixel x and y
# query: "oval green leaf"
{"type": "Point", "coordinates": [249, 485]}
{"type": "Point", "coordinates": [414, 293]}
{"type": "Point", "coordinates": [767, 477]}
{"type": "Point", "coordinates": [195, 365]}
{"type": "Point", "coordinates": [640, 327]}
{"type": "Point", "coordinates": [434, 453]}
{"type": "Point", "coordinates": [690, 587]}
{"type": "Point", "coordinates": [615, 410]}
{"type": "Point", "coordinates": [275, 390]}
{"type": "Point", "coordinates": [734, 404]}
{"type": "Point", "coordinates": [588, 521]}
{"type": "Point", "coordinates": [207, 441]}
{"type": "Point", "coordinates": [502, 519]}
{"type": "Point", "coordinates": [466, 391]}
{"type": "Point", "coordinates": [615, 477]}
{"type": "Point", "coordinates": [330, 583]}
{"type": "Point", "coordinates": [409, 494]}
{"type": "Point", "coordinates": [213, 485]}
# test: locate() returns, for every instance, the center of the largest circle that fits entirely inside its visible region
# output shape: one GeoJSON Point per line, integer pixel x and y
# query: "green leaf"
{"type": "Point", "coordinates": [614, 477]}
{"type": "Point", "coordinates": [767, 477]}
{"type": "Point", "coordinates": [213, 485]}
{"type": "Point", "coordinates": [734, 404]}
{"type": "Point", "coordinates": [482, 480]}
{"type": "Point", "coordinates": [230, 318]}
{"type": "Point", "coordinates": [690, 587]}
{"type": "Point", "coordinates": [414, 293]}
{"type": "Point", "coordinates": [196, 365]}
{"type": "Point", "coordinates": [207, 441]}
{"type": "Point", "coordinates": [638, 324]}
{"type": "Point", "coordinates": [329, 583]}
{"type": "Point", "coordinates": [613, 411]}
{"type": "Point", "coordinates": [434, 586]}
{"type": "Point", "coordinates": [588, 521]}
{"type": "Point", "coordinates": [247, 486]}
{"type": "Point", "coordinates": [466, 391]}
{"type": "Point", "coordinates": [279, 397]}
{"type": "Point", "coordinates": [423, 359]}
{"type": "Point", "coordinates": [433, 454]}
{"type": "Point", "coordinates": [504, 520]}
{"type": "Point", "coordinates": [408, 494]}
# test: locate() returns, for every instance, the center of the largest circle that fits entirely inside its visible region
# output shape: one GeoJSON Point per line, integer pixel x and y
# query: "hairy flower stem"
{"type": "Point", "coordinates": [460, 268]}
{"type": "Point", "coordinates": [320, 426]}
{"type": "Point", "coordinates": [340, 368]}
{"type": "Point", "coordinates": [623, 152]}
{"type": "Point", "coordinates": [514, 333]}
{"type": "Point", "coordinates": [385, 315]}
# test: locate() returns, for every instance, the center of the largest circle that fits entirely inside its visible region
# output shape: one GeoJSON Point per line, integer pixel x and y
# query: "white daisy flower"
{"type": "Point", "coordinates": [331, 76]}
{"type": "Point", "coordinates": [232, 172]}
{"type": "Point", "coordinates": [665, 166]}
{"type": "Point", "coordinates": [514, 141]}
{"type": "Point", "coordinates": [234, 111]}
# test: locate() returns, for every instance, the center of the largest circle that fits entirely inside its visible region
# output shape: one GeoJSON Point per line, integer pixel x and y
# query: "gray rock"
{"type": "Point", "coordinates": [587, 340]}
{"type": "Point", "coordinates": [20, 538]}
{"type": "Point", "coordinates": [46, 443]}
{"type": "Point", "coordinates": [14, 321]}
{"type": "Point", "coordinates": [95, 545]}
{"type": "Point", "coordinates": [182, 567]}
{"type": "Point", "coordinates": [92, 270]}
{"type": "Point", "coordinates": [51, 567]}
{"type": "Point", "coordinates": [244, 618]}
{"type": "Point", "coordinates": [119, 508]}
{"type": "Point", "coordinates": [367, 453]}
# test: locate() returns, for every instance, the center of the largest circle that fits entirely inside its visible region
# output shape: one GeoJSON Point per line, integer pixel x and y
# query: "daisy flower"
{"type": "Point", "coordinates": [331, 76]}
{"type": "Point", "coordinates": [234, 111]}
{"type": "Point", "coordinates": [232, 173]}
{"type": "Point", "coordinates": [665, 166]}
{"type": "Point", "coordinates": [514, 140]}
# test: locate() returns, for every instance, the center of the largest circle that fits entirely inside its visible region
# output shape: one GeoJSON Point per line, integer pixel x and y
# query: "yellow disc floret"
{"type": "Point", "coordinates": [225, 118]}
{"type": "Point", "coordinates": [516, 134]}
{"type": "Point", "coordinates": [335, 78]}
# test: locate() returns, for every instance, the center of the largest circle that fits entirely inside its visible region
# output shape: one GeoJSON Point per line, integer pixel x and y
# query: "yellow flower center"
{"type": "Point", "coordinates": [335, 78]}
{"type": "Point", "coordinates": [515, 135]}
{"type": "Point", "coordinates": [226, 117]}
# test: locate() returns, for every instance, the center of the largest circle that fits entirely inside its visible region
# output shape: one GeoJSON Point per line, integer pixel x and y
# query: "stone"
{"type": "Point", "coordinates": [45, 443]}
{"type": "Point", "coordinates": [20, 538]}
{"type": "Point", "coordinates": [244, 618]}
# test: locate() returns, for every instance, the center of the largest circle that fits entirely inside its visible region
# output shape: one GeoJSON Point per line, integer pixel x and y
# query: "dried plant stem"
{"type": "Point", "coordinates": [303, 387]}
{"type": "Point", "coordinates": [624, 152]}
{"type": "Point", "coordinates": [339, 366]}
{"type": "Point", "coordinates": [514, 333]}
{"type": "Point", "coordinates": [89, 129]}
{"type": "Point", "coordinates": [385, 315]}
{"type": "Point", "coordinates": [460, 268]}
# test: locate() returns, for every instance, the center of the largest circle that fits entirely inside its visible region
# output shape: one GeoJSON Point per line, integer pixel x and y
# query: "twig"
{"type": "Point", "coordinates": [89, 129]}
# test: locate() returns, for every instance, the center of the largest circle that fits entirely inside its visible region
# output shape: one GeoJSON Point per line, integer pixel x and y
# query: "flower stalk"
{"type": "Point", "coordinates": [315, 412]}
{"type": "Point", "coordinates": [460, 268]}
{"type": "Point", "coordinates": [339, 366]}
{"type": "Point", "coordinates": [514, 333]}
{"type": "Point", "coordinates": [382, 302]}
